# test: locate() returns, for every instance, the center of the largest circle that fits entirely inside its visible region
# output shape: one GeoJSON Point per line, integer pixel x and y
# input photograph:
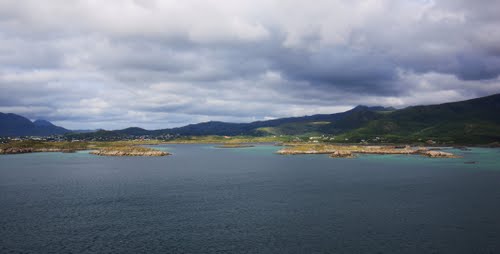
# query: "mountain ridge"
{"type": "Point", "coordinates": [17, 125]}
{"type": "Point", "coordinates": [473, 120]}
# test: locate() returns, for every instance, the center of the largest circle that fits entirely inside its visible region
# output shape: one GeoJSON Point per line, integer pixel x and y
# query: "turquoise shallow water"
{"type": "Point", "coordinates": [249, 200]}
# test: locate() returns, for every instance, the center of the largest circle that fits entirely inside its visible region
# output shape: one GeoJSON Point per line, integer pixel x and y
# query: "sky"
{"type": "Point", "coordinates": [159, 64]}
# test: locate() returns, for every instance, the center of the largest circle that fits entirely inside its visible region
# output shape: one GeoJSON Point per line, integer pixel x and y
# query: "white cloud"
{"type": "Point", "coordinates": [156, 64]}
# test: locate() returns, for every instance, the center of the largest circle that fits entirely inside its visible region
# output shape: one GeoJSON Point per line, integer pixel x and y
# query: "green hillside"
{"type": "Point", "coordinates": [475, 121]}
{"type": "Point", "coordinates": [472, 121]}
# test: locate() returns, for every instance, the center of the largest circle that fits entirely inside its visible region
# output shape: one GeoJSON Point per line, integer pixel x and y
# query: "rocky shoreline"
{"type": "Point", "coordinates": [129, 151]}
{"type": "Point", "coordinates": [112, 151]}
{"type": "Point", "coordinates": [351, 151]}
{"type": "Point", "coordinates": [335, 151]}
{"type": "Point", "coordinates": [16, 150]}
{"type": "Point", "coordinates": [230, 145]}
{"type": "Point", "coordinates": [20, 150]}
{"type": "Point", "coordinates": [342, 154]}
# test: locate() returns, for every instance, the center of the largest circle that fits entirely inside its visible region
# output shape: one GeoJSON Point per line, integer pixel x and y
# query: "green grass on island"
{"type": "Point", "coordinates": [292, 145]}
{"type": "Point", "coordinates": [128, 151]}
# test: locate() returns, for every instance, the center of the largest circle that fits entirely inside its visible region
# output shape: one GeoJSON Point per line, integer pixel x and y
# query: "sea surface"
{"type": "Point", "coordinates": [249, 200]}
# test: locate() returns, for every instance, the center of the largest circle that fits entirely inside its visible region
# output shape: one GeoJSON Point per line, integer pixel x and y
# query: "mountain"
{"type": "Point", "coordinates": [16, 125]}
{"type": "Point", "coordinates": [43, 123]}
{"type": "Point", "coordinates": [314, 124]}
{"type": "Point", "coordinates": [472, 121]}
{"type": "Point", "coordinates": [12, 125]}
{"type": "Point", "coordinates": [320, 123]}
{"type": "Point", "coordinates": [46, 128]}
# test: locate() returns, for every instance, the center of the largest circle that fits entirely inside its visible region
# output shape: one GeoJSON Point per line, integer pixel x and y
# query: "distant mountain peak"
{"type": "Point", "coordinates": [373, 108]}
{"type": "Point", "coordinates": [41, 122]}
{"type": "Point", "coordinates": [16, 125]}
{"type": "Point", "coordinates": [134, 129]}
{"type": "Point", "coordinates": [360, 107]}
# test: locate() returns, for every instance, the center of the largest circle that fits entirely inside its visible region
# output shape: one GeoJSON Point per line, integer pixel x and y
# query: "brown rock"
{"type": "Point", "coordinates": [438, 154]}
{"type": "Point", "coordinates": [342, 154]}
{"type": "Point", "coordinates": [15, 150]}
{"type": "Point", "coordinates": [129, 153]}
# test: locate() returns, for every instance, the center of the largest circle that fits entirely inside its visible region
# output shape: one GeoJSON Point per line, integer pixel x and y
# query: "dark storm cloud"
{"type": "Point", "coordinates": [340, 68]}
{"type": "Point", "coordinates": [159, 64]}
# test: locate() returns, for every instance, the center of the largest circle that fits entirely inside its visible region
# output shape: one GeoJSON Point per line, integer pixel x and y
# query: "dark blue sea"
{"type": "Point", "coordinates": [249, 200]}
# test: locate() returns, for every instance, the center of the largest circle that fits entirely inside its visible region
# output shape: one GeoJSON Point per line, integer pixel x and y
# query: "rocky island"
{"type": "Point", "coordinates": [116, 148]}
{"type": "Point", "coordinates": [349, 151]}
{"type": "Point", "coordinates": [19, 150]}
{"type": "Point", "coordinates": [128, 151]}
{"type": "Point", "coordinates": [234, 145]}
{"type": "Point", "coordinates": [342, 154]}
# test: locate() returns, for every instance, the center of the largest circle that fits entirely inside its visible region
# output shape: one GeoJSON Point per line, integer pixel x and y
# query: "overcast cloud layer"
{"type": "Point", "coordinates": [157, 64]}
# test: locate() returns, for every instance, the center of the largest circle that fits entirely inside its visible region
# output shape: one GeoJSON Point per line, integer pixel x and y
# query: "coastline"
{"type": "Point", "coordinates": [136, 148]}
{"type": "Point", "coordinates": [234, 145]}
{"type": "Point", "coordinates": [147, 152]}
{"type": "Point", "coordinates": [350, 151]}
{"type": "Point", "coordinates": [117, 148]}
